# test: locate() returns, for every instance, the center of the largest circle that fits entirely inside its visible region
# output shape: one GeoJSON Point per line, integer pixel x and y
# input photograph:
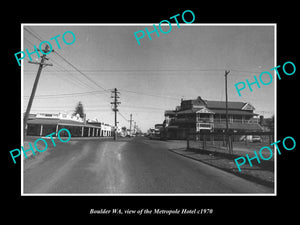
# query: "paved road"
{"type": "Point", "coordinates": [137, 165]}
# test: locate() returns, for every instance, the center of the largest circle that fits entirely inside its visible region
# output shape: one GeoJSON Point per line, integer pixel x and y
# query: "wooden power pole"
{"type": "Point", "coordinates": [228, 141]}
{"type": "Point", "coordinates": [130, 122]}
{"type": "Point", "coordinates": [41, 65]}
{"type": "Point", "coordinates": [115, 104]}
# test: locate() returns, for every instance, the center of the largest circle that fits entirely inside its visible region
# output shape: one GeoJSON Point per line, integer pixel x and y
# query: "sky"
{"type": "Point", "coordinates": [187, 62]}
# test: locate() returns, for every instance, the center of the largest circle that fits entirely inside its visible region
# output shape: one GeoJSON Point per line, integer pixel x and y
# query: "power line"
{"type": "Point", "coordinates": [147, 70]}
{"type": "Point", "coordinates": [246, 71]}
{"type": "Point", "coordinates": [151, 70]}
{"type": "Point", "coordinates": [208, 72]}
{"type": "Point", "coordinates": [123, 116]}
{"type": "Point", "coordinates": [65, 60]}
{"type": "Point", "coordinates": [152, 95]}
{"type": "Point", "coordinates": [73, 79]}
{"type": "Point", "coordinates": [163, 70]}
{"type": "Point", "coordinates": [143, 107]}
{"type": "Point", "coordinates": [33, 34]}
{"type": "Point", "coordinates": [68, 94]}
{"type": "Point", "coordinates": [87, 77]}
{"type": "Point", "coordinates": [28, 41]}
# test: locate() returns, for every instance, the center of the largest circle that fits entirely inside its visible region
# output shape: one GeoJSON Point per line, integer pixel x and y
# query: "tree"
{"type": "Point", "coordinates": [270, 123]}
{"type": "Point", "coordinates": [79, 110]}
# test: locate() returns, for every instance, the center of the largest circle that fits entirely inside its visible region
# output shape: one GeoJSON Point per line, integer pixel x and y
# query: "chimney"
{"type": "Point", "coordinates": [261, 120]}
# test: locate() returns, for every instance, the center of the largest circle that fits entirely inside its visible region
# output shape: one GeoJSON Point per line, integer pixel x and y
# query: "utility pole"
{"type": "Point", "coordinates": [130, 124]}
{"type": "Point", "coordinates": [228, 142]}
{"type": "Point", "coordinates": [115, 104]}
{"type": "Point", "coordinates": [134, 128]}
{"type": "Point", "coordinates": [41, 65]}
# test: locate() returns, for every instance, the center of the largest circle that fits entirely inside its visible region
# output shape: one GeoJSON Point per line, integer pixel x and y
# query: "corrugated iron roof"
{"type": "Point", "coordinates": [188, 111]}
{"type": "Point", "coordinates": [222, 105]}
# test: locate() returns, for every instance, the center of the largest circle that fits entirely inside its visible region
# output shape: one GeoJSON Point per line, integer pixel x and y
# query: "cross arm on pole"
{"type": "Point", "coordinates": [44, 64]}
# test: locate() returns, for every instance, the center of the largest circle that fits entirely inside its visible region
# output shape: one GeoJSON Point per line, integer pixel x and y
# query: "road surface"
{"type": "Point", "coordinates": [129, 166]}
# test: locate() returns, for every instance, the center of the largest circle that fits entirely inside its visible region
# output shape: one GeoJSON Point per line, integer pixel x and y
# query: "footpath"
{"type": "Point", "coordinates": [262, 173]}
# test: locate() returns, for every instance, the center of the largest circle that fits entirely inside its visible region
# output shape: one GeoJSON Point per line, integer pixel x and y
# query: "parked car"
{"type": "Point", "coordinates": [256, 138]}
{"type": "Point", "coordinates": [251, 138]}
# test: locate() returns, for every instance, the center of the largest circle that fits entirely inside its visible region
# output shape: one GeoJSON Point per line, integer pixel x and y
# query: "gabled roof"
{"type": "Point", "coordinates": [216, 104]}
{"type": "Point", "coordinates": [198, 101]}
{"type": "Point", "coordinates": [248, 106]}
{"type": "Point", "coordinates": [188, 111]}
{"type": "Point", "coordinates": [205, 110]}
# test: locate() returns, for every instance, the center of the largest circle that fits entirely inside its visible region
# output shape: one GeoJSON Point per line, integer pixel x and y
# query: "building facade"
{"type": "Point", "coordinates": [42, 124]}
{"type": "Point", "coordinates": [200, 116]}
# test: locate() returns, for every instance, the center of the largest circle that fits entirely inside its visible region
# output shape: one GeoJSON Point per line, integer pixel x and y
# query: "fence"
{"type": "Point", "coordinates": [237, 143]}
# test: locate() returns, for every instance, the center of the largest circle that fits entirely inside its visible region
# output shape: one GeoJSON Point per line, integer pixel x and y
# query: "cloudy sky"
{"type": "Point", "coordinates": [189, 61]}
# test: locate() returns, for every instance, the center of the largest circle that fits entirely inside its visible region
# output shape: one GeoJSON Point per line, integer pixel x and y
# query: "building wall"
{"type": "Point", "coordinates": [76, 131]}
{"type": "Point", "coordinates": [64, 116]}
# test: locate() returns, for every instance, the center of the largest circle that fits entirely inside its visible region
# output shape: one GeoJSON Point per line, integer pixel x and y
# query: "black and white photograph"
{"type": "Point", "coordinates": [148, 116]}
{"type": "Point", "coordinates": [142, 111]}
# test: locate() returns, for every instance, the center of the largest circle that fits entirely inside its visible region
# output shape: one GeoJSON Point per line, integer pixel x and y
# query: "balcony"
{"type": "Point", "coordinates": [242, 121]}
{"type": "Point", "coordinates": [205, 120]}
{"type": "Point", "coordinates": [211, 120]}
{"type": "Point", "coordinates": [182, 120]}
{"type": "Point", "coordinates": [204, 126]}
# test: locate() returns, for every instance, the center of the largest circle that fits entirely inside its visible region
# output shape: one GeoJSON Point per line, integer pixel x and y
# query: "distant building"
{"type": "Point", "coordinates": [158, 128]}
{"type": "Point", "coordinates": [151, 131]}
{"type": "Point", "coordinates": [105, 129]}
{"type": "Point", "coordinates": [198, 115]}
